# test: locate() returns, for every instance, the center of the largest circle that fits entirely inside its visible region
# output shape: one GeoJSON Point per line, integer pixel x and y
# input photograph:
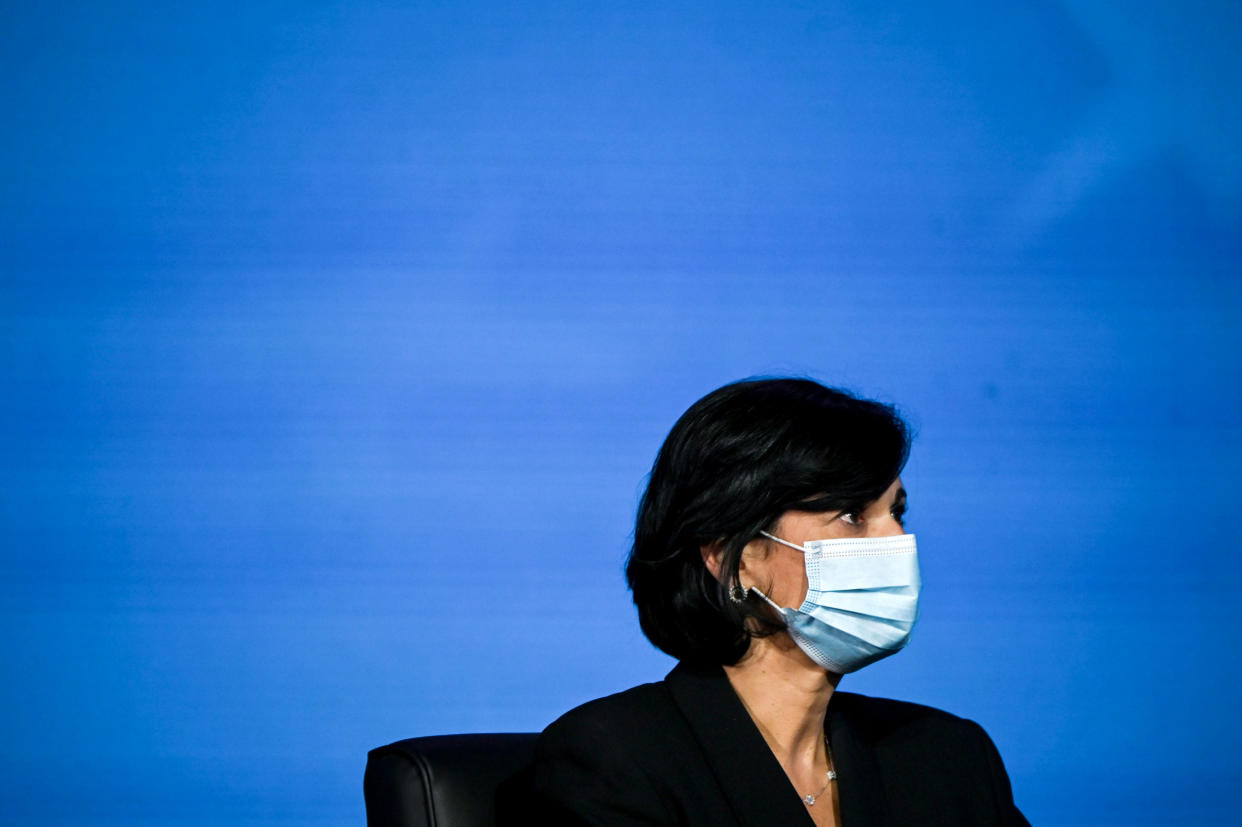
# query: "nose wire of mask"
{"type": "Point", "coordinates": [861, 601]}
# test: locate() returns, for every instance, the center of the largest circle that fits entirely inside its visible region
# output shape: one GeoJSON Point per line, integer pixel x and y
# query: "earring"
{"type": "Point", "coordinates": [736, 593]}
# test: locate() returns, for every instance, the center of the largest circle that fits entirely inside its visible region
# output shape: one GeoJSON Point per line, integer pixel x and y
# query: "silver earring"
{"type": "Point", "coordinates": [736, 593]}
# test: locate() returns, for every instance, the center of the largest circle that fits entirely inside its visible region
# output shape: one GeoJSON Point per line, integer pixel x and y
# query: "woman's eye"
{"type": "Point", "coordinates": [850, 517]}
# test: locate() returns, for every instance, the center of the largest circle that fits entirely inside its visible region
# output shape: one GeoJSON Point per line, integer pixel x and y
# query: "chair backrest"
{"type": "Point", "coordinates": [448, 780]}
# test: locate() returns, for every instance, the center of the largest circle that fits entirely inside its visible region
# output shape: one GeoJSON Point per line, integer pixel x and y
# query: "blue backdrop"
{"type": "Point", "coordinates": [336, 340]}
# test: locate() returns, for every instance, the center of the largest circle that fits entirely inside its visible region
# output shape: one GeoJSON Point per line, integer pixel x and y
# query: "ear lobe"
{"type": "Point", "coordinates": [713, 553]}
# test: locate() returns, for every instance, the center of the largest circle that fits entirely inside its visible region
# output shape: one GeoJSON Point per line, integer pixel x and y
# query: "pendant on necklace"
{"type": "Point", "coordinates": [810, 798]}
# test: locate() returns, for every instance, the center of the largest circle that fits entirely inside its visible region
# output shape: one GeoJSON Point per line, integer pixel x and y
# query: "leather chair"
{"type": "Point", "coordinates": [449, 780]}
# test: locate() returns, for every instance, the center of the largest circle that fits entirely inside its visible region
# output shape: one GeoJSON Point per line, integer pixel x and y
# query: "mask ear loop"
{"type": "Point", "coordinates": [780, 610]}
{"type": "Point", "coordinates": [799, 549]}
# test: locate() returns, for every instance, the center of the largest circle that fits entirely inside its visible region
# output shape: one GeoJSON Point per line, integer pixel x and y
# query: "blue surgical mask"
{"type": "Point", "coordinates": [862, 599]}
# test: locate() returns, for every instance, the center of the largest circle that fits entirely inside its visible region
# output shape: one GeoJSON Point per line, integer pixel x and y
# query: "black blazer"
{"type": "Point", "coordinates": [686, 752]}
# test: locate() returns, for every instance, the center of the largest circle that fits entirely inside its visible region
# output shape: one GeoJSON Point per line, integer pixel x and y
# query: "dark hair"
{"type": "Point", "coordinates": [733, 463]}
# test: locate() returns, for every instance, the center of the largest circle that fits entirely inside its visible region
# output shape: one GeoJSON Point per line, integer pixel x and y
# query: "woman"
{"type": "Point", "coordinates": [770, 558]}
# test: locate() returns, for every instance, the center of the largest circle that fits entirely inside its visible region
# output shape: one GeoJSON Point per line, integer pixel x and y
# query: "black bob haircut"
{"type": "Point", "coordinates": [733, 463]}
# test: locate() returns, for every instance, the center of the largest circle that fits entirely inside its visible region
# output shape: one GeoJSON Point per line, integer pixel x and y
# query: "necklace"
{"type": "Point", "coordinates": [810, 798]}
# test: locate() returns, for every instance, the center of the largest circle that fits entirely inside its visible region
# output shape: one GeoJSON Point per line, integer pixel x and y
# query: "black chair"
{"type": "Point", "coordinates": [449, 780]}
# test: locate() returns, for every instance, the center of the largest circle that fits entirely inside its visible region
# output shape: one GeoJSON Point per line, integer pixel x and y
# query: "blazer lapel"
{"type": "Point", "coordinates": [753, 781]}
{"type": "Point", "coordinates": [859, 784]}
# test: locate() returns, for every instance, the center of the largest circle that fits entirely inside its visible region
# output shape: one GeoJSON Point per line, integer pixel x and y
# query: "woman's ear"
{"type": "Point", "coordinates": [713, 554]}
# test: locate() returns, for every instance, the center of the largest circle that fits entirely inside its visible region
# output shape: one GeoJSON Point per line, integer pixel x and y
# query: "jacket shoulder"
{"type": "Point", "coordinates": [887, 709]}
{"type": "Point", "coordinates": [617, 760]}
{"type": "Point", "coordinates": [897, 724]}
{"type": "Point", "coordinates": [933, 761]}
{"type": "Point", "coordinates": [623, 714]}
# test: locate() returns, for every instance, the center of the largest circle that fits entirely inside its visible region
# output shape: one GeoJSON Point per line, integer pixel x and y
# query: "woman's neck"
{"type": "Point", "coordinates": [786, 694]}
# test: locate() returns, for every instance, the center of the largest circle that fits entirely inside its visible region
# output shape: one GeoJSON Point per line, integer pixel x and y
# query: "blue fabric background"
{"type": "Point", "coordinates": [336, 340]}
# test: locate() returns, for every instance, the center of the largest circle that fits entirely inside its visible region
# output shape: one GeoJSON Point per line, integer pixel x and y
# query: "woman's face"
{"type": "Point", "coordinates": [780, 571]}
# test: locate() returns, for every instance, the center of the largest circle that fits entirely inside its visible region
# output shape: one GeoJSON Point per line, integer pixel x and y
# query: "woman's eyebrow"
{"type": "Point", "coordinates": [900, 498]}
